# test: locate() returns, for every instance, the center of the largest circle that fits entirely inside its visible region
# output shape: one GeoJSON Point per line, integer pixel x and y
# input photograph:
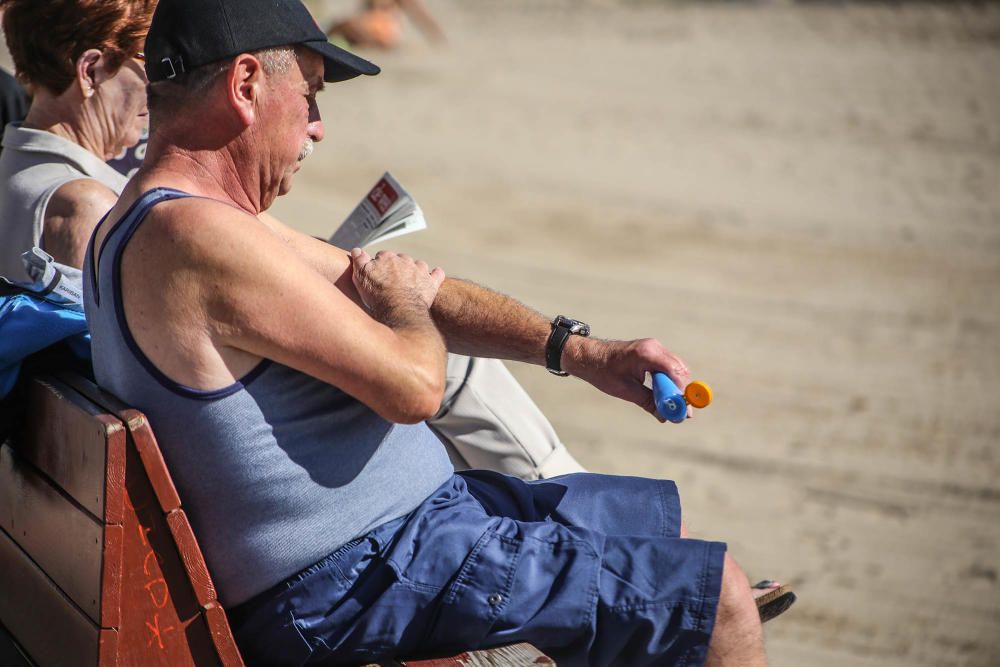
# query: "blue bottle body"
{"type": "Point", "coordinates": [669, 399]}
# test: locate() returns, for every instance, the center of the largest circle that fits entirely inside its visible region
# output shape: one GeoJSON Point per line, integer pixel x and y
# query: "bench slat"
{"type": "Point", "coordinates": [32, 606]}
{"type": "Point", "coordinates": [191, 557]}
{"type": "Point", "coordinates": [222, 635]}
{"type": "Point", "coordinates": [73, 442]}
{"type": "Point", "coordinates": [112, 577]}
{"type": "Point", "coordinates": [108, 648]}
{"type": "Point", "coordinates": [10, 653]}
{"type": "Point", "coordinates": [152, 459]}
{"type": "Point", "coordinates": [64, 540]}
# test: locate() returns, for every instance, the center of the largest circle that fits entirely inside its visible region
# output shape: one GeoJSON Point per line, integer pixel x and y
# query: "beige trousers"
{"type": "Point", "coordinates": [487, 420]}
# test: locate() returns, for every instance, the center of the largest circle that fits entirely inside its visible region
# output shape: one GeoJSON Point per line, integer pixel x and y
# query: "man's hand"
{"type": "Point", "coordinates": [619, 368]}
{"type": "Point", "coordinates": [390, 282]}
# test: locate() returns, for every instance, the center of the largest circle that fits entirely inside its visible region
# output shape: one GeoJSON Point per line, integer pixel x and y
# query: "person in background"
{"type": "Point", "coordinates": [14, 100]}
{"type": "Point", "coordinates": [129, 159]}
{"type": "Point", "coordinates": [379, 24]}
{"type": "Point", "coordinates": [55, 187]}
{"type": "Point", "coordinates": [82, 62]}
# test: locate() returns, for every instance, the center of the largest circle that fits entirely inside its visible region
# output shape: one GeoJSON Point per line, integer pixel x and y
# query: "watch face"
{"type": "Point", "coordinates": [575, 326]}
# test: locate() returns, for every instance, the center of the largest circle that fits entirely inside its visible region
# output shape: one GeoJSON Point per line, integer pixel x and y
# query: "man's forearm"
{"type": "Point", "coordinates": [479, 322]}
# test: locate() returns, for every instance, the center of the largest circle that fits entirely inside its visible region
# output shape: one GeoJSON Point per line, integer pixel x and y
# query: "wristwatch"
{"type": "Point", "coordinates": [562, 329]}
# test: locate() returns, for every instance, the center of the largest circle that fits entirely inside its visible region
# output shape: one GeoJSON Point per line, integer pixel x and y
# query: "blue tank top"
{"type": "Point", "coordinates": [275, 471]}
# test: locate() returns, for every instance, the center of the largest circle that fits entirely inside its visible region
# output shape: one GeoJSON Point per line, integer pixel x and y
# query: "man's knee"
{"type": "Point", "coordinates": [737, 638]}
{"type": "Point", "coordinates": [736, 603]}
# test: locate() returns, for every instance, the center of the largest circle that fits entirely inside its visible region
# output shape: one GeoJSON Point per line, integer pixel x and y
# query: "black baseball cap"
{"type": "Point", "coordinates": [186, 34]}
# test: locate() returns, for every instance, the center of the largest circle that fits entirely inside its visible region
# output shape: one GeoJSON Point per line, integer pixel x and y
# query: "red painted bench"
{"type": "Point", "coordinates": [98, 562]}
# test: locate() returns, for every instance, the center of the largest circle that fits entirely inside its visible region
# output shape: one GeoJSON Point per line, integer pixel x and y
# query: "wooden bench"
{"type": "Point", "coordinates": [98, 562]}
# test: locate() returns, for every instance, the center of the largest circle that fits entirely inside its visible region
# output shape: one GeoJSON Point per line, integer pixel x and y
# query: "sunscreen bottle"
{"type": "Point", "coordinates": [672, 404]}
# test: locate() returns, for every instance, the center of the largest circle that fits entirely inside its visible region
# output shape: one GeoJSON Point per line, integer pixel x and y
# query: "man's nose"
{"type": "Point", "coordinates": [315, 129]}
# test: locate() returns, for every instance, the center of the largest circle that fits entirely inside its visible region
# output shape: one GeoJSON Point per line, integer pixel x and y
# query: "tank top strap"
{"type": "Point", "coordinates": [120, 234]}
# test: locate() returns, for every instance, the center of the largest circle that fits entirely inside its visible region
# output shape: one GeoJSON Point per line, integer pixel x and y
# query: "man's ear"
{"type": "Point", "coordinates": [88, 69]}
{"type": "Point", "coordinates": [243, 85]}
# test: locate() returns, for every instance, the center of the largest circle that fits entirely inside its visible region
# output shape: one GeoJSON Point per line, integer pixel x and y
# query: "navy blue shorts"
{"type": "Point", "coordinates": [588, 568]}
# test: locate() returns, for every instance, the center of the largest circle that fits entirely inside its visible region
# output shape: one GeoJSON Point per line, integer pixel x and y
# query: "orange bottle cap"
{"type": "Point", "coordinates": [698, 394]}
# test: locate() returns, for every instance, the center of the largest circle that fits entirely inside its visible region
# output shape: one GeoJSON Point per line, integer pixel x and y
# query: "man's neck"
{"type": "Point", "coordinates": [210, 173]}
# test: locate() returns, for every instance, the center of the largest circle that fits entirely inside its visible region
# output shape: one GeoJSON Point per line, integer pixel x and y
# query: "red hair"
{"type": "Point", "coordinates": [46, 37]}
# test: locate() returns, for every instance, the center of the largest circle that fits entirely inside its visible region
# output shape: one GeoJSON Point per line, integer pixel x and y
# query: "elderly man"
{"type": "Point", "coordinates": [288, 382]}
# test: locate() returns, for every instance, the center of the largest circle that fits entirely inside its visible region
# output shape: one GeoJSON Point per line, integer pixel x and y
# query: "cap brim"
{"type": "Point", "coordinates": [340, 64]}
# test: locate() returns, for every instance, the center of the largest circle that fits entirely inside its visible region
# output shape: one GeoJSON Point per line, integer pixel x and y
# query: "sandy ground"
{"type": "Point", "coordinates": [801, 200]}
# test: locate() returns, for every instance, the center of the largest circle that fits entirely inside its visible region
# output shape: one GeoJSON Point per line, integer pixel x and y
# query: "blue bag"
{"type": "Point", "coordinates": [37, 315]}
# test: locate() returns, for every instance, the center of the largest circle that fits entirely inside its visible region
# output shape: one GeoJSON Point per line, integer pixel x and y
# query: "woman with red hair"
{"type": "Point", "coordinates": [82, 62]}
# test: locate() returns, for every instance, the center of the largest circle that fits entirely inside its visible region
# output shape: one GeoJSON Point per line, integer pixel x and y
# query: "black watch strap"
{"type": "Point", "coordinates": [562, 329]}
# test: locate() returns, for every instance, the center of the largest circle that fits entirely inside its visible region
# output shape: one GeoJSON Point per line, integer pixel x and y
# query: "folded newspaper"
{"type": "Point", "coordinates": [387, 211]}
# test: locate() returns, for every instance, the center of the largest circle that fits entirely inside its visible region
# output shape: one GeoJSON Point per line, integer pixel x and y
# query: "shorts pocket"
{"type": "Point", "coordinates": [479, 594]}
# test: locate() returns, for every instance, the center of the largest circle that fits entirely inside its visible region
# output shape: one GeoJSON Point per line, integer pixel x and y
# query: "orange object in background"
{"type": "Point", "coordinates": [379, 24]}
{"type": "Point", "coordinates": [380, 27]}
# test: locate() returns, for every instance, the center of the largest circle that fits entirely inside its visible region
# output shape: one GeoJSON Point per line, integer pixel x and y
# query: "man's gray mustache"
{"type": "Point", "coordinates": [307, 149]}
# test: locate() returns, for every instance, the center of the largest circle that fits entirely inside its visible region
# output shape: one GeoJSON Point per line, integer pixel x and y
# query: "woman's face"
{"type": "Point", "coordinates": [121, 105]}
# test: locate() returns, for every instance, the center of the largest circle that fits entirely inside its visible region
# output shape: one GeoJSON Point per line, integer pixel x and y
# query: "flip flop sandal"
{"type": "Point", "coordinates": [775, 602]}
